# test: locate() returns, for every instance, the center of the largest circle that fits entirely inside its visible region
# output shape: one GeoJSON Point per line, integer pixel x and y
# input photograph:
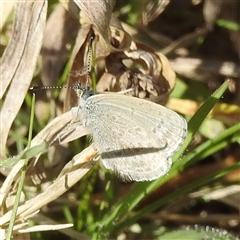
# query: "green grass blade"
{"type": "Point", "coordinates": [196, 121]}
{"type": "Point", "coordinates": [29, 153]}
{"type": "Point", "coordinates": [22, 177]}
{"type": "Point", "coordinates": [211, 146]}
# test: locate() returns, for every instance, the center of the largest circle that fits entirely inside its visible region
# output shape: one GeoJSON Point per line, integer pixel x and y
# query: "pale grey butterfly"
{"type": "Point", "coordinates": [135, 138]}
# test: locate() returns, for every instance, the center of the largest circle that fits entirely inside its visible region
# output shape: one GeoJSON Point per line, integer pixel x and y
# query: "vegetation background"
{"type": "Point", "coordinates": [45, 174]}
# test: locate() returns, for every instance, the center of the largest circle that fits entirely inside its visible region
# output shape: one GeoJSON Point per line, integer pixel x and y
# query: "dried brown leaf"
{"type": "Point", "coordinates": [19, 60]}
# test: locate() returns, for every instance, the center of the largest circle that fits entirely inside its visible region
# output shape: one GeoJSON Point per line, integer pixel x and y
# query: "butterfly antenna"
{"type": "Point", "coordinates": [33, 88]}
{"type": "Point", "coordinates": [89, 62]}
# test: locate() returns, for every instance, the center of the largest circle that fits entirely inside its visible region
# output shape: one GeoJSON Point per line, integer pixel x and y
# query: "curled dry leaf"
{"type": "Point", "coordinates": [99, 15]}
{"type": "Point", "coordinates": [139, 68]}
{"type": "Point", "coordinates": [146, 72]}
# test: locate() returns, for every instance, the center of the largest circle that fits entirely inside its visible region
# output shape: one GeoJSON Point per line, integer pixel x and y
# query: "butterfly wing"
{"type": "Point", "coordinates": [136, 138]}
